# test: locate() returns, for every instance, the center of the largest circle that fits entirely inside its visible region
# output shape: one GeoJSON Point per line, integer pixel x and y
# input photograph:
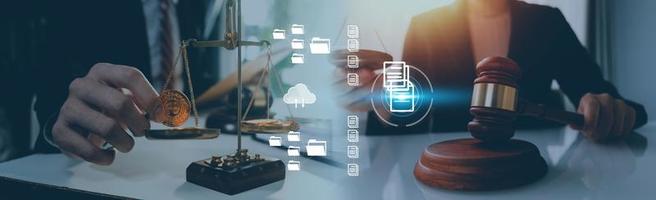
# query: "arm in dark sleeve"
{"type": "Point", "coordinates": [53, 76]}
{"type": "Point", "coordinates": [576, 72]}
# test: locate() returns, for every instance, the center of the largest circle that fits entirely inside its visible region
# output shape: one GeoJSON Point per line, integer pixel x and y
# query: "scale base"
{"type": "Point", "coordinates": [235, 179]}
{"type": "Point", "coordinates": [469, 164]}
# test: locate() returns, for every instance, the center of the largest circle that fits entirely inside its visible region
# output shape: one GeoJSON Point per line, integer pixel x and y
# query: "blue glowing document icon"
{"type": "Point", "coordinates": [401, 91]}
{"type": "Point", "coordinates": [402, 101]}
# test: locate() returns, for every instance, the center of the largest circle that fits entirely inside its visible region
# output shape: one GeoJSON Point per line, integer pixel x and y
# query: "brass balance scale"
{"type": "Point", "coordinates": [234, 173]}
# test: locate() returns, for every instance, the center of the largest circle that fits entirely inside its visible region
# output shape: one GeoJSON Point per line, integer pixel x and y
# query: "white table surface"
{"type": "Point", "coordinates": [578, 169]}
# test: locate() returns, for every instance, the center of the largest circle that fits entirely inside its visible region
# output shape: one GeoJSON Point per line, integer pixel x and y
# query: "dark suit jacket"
{"type": "Point", "coordinates": [80, 33]}
{"type": "Point", "coordinates": [541, 42]}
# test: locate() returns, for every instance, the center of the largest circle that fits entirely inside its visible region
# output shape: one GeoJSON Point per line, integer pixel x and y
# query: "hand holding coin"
{"type": "Point", "coordinates": [98, 107]}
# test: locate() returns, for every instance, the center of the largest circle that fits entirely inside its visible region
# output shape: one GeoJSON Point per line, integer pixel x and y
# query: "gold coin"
{"type": "Point", "coordinates": [174, 108]}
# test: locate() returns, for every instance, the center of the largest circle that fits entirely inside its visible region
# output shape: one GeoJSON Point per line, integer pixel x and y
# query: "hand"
{"type": "Point", "coordinates": [605, 117]}
{"type": "Point", "coordinates": [355, 98]}
{"type": "Point", "coordinates": [98, 109]}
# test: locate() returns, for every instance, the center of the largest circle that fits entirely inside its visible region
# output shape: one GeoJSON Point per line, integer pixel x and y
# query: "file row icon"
{"type": "Point", "coordinates": [298, 29]}
{"type": "Point", "coordinates": [275, 141]}
{"type": "Point", "coordinates": [294, 151]}
{"type": "Point", "coordinates": [278, 34]}
{"type": "Point", "coordinates": [316, 148]}
{"type": "Point", "coordinates": [320, 46]}
{"type": "Point", "coordinates": [298, 58]}
{"type": "Point", "coordinates": [293, 165]}
{"type": "Point", "coordinates": [293, 136]}
{"type": "Point", "coordinates": [298, 44]}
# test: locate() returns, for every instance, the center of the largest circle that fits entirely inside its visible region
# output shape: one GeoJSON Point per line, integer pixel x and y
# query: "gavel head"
{"type": "Point", "coordinates": [494, 100]}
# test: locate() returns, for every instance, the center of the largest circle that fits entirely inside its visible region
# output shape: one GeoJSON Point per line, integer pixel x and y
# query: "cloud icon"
{"type": "Point", "coordinates": [299, 94]}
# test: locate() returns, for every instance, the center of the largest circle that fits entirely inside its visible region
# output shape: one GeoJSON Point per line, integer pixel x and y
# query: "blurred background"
{"type": "Point", "coordinates": [618, 34]}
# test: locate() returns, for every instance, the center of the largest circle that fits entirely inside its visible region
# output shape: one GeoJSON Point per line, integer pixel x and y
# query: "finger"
{"type": "Point", "coordinates": [629, 121]}
{"type": "Point", "coordinates": [71, 141]}
{"type": "Point", "coordinates": [97, 123]}
{"type": "Point", "coordinates": [121, 76]}
{"type": "Point", "coordinates": [589, 107]}
{"type": "Point", "coordinates": [119, 106]}
{"type": "Point", "coordinates": [618, 122]}
{"type": "Point", "coordinates": [358, 101]}
{"type": "Point", "coordinates": [366, 75]}
{"type": "Point", "coordinates": [606, 117]}
{"type": "Point", "coordinates": [356, 94]}
{"type": "Point", "coordinates": [96, 140]}
{"type": "Point", "coordinates": [339, 77]}
{"type": "Point", "coordinates": [581, 110]}
{"type": "Point", "coordinates": [139, 123]}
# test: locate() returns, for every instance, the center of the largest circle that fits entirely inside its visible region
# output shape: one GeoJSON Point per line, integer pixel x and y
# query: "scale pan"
{"type": "Point", "coordinates": [182, 134]}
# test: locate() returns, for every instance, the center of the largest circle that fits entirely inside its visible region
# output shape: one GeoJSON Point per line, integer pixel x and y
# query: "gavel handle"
{"type": "Point", "coordinates": [541, 111]}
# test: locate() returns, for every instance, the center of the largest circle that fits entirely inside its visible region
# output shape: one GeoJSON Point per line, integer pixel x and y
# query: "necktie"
{"type": "Point", "coordinates": [167, 74]}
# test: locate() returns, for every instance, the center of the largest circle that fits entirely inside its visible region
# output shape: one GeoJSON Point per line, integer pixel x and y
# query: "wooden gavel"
{"type": "Point", "coordinates": [495, 102]}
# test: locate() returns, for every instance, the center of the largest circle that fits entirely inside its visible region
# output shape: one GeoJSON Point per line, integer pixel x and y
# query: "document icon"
{"type": "Point", "coordinates": [353, 31]}
{"type": "Point", "coordinates": [352, 152]}
{"type": "Point", "coordinates": [401, 90]}
{"type": "Point", "coordinates": [316, 148]}
{"type": "Point", "coordinates": [298, 58]}
{"type": "Point", "coordinates": [278, 34]}
{"type": "Point", "coordinates": [402, 100]}
{"type": "Point", "coordinates": [298, 29]}
{"type": "Point", "coordinates": [293, 165]}
{"type": "Point", "coordinates": [275, 141]}
{"type": "Point", "coordinates": [352, 61]}
{"type": "Point", "coordinates": [298, 43]}
{"type": "Point", "coordinates": [353, 169]}
{"type": "Point", "coordinates": [293, 136]}
{"type": "Point", "coordinates": [352, 135]}
{"type": "Point", "coordinates": [353, 45]}
{"type": "Point", "coordinates": [294, 151]}
{"type": "Point", "coordinates": [319, 46]}
{"type": "Point", "coordinates": [352, 121]}
{"type": "Point", "coordinates": [395, 75]}
{"type": "Point", "coordinates": [352, 79]}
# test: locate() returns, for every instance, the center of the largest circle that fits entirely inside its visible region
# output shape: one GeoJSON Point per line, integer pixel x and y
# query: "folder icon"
{"type": "Point", "coordinates": [319, 46]}
{"type": "Point", "coordinates": [293, 165]}
{"type": "Point", "coordinates": [278, 34]}
{"type": "Point", "coordinates": [294, 151]}
{"type": "Point", "coordinates": [294, 136]}
{"type": "Point", "coordinates": [298, 58]}
{"type": "Point", "coordinates": [297, 43]}
{"type": "Point", "coordinates": [275, 141]}
{"type": "Point", "coordinates": [353, 45]}
{"type": "Point", "coordinates": [298, 29]}
{"type": "Point", "coordinates": [316, 148]}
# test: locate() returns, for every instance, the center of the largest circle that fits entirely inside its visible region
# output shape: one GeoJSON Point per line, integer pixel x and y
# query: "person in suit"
{"type": "Point", "coordinates": [447, 42]}
{"type": "Point", "coordinates": [101, 63]}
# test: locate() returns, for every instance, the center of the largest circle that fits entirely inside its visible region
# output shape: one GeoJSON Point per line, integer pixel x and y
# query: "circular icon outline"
{"type": "Point", "coordinates": [430, 105]}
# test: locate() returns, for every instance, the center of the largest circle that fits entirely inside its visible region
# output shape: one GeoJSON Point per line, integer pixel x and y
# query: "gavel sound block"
{"type": "Point", "coordinates": [492, 160]}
